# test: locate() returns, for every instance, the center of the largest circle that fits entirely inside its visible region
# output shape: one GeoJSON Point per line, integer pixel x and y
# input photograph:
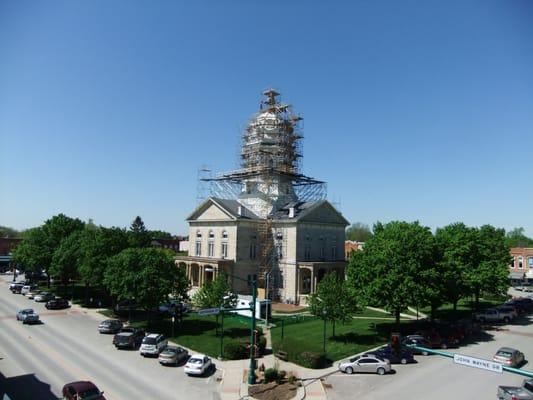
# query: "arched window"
{"type": "Point", "coordinates": [198, 234]}
{"type": "Point", "coordinates": [224, 234]}
{"type": "Point", "coordinates": [211, 235]}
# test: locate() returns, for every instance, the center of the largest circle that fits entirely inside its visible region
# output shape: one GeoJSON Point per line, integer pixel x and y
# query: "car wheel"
{"type": "Point", "coordinates": [349, 370]}
{"type": "Point", "coordinates": [403, 361]}
{"type": "Point", "coordinates": [443, 346]}
{"type": "Point", "coordinates": [506, 320]}
{"type": "Point", "coordinates": [381, 371]}
{"type": "Point", "coordinates": [425, 353]}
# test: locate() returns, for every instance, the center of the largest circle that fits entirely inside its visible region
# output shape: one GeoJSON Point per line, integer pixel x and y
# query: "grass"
{"type": "Point", "coordinates": [200, 332]}
{"type": "Point", "coordinates": [465, 307]}
{"type": "Point", "coordinates": [354, 337]}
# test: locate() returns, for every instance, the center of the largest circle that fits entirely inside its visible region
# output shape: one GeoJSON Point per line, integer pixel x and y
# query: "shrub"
{"type": "Point", "coordinates": [281, 375]}
{"type": "Point", "coordinates": [311, 359]}
{"type": "Point", "coordinates": [271, 375]}
{"type": "Point", "coordinates": [292, 379]}
{"type": "Point", "coordinates": [235, 351]}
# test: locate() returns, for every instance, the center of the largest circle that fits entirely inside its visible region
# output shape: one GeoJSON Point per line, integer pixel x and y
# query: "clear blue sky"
{"type": "Point", "coordinates": [414, 110]}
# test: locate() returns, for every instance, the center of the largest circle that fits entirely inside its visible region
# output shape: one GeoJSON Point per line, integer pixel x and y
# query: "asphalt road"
{"type": "Point", "coordinates": [438, 378]}
{"type": "Point", "coordinates": [37, 360]}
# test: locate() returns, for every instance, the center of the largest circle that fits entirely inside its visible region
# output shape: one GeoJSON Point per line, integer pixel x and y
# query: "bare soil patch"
{"type": "Point", "coordinates": [273, 391]}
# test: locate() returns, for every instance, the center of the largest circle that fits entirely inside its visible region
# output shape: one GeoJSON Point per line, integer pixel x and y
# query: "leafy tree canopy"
{"type": "Point", "coordinates": [32, 253]}
{"type": "Point", "coordinates": [7, 232]}
{"type": "Point", "coordinates": [66, 257]}
{"type": "Point", "coordinates": [215, 293]}
{"type": "Point", "coordinates": [358, 232]}
{"type": "Point", "coordinates": [139, 236]}
{"type": "Point", "coordinates": [517, 238]}
{"type": "Point", "coordinates": [160, 235]}
{"type": "Point", "coordinates": [147, 275]}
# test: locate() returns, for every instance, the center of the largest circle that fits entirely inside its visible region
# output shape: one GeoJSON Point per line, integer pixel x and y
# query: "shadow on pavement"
{"type": "Point", "coordinates": [25, 387]}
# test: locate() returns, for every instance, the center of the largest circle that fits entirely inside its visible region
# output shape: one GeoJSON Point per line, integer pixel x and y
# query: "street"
{"type": "Point", "coordinates": [37, 360]}
{"type": "Point", "coordinates": [438, 378]}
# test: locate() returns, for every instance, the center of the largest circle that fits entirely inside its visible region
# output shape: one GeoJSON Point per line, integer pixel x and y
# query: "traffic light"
{"type": "Point", "coordinates": [395, 343]}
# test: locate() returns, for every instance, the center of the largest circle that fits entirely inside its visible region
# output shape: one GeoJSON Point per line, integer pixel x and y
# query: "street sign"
{"type": "Point", "coordinates": [478, 363]}
{"type": "Point", "coordinates": [209, 311]}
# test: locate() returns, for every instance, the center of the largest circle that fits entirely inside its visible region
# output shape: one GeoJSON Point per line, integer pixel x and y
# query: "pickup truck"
{"type": "Point", "coordinates": [524, 392]}
{"type": "Point", "coordinates": [494, 315]}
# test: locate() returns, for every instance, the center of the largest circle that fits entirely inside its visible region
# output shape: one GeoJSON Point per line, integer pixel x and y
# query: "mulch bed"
{"type": "Point", "coordinates": [273, 391]}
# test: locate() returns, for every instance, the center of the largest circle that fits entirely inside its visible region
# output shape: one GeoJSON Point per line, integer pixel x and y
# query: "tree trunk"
{"type": "Point", "coordinates": [455, 301]}
{"type": "Point", "coordinates": [476, 294]}
{"type": "Point", "coordinates": [87, 294]}
{"type": "Point", "coordinates": [397, 315]}
{"type": "Point", "coordinates": [333, 328]}
{"type": "Point", "coordinates": [433, 311]}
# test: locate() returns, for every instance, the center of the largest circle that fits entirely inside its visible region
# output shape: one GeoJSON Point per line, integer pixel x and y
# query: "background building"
{"type": "Point", "coordinates": [267, 220]}
{"type": "Point", "coordinates": [521, 266]}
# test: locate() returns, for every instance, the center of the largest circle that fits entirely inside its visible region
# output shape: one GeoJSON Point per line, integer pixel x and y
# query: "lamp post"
{"type": "Point", "coordinates": [253, 283]}
{"type": "Point", "coordinates": [324, 314]}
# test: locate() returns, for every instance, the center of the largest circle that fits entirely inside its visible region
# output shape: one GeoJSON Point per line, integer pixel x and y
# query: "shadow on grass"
{"type": "Point", "coordinates": [354, 338]}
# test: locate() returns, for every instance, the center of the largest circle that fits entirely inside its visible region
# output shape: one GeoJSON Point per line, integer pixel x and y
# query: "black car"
{"type": "Point", "coordinates": [57, 304]}
{"type": "Point", "coordinates": [129, 337]}
{"type": "Point", "coordinates": [417, 340]}
{"type": "Point", "coordinates": [405, 356]}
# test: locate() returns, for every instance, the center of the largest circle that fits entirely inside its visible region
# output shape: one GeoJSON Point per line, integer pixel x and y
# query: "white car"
{"type": "Point", "coordinates": [153, 344]}
{"type": "Point", "coordinates": [366, 363]}
{"type": "Point", "coordinates": [198, 364]}
{"type": "Point", "coordinates": [26, 289]}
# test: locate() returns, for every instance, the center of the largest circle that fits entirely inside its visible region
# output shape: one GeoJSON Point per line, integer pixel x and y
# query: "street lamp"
{"type": "Point", "coordinates": [253, 283]}
{"type": "Point", "coordinates": [324, 315]}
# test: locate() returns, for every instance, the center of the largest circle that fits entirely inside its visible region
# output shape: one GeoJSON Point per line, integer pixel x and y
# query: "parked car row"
{"type": "Point", "coordinates": [155, 345]}
{"type": "Point", "coordinates": [505, 312]}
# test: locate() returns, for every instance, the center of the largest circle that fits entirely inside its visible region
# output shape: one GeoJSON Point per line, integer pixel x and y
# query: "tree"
{"type": "Point", "coordinates": [517, 238]}
{"type": "Point", "coordinates": [32, 253]}
{"type": "Point", "coordinates": [139, 236]}
{"type": "Point", "coordinates": [215, 293]}
{"type": "Point", "coordinates": [333, 300]}
{"type": "Point", "coordinates": [160, 235]}
{"type": "Point", "coordinates": [147, 275]}
{"type": "Point", "coordinates": [389, 272]}
{"type": "Point", "coordinates": [66, 257]}
{"type": "Point", "coordinates": [7, 232]}
{"type": "Point", "coordinates": [456, 245]}
{"type": "Point", "coordinates": [358, 232]}
{"type": "Point", "coordinates": [490, 269]}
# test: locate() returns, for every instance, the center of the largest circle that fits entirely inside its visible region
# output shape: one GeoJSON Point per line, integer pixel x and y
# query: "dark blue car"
{"type": "Point", "coordinates": [405, 356]}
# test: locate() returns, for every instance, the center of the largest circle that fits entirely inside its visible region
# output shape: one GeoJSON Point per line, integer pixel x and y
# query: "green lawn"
{"type": "Point", "coordinates": [199, 332]}
{"type": "Point", "coordinates": [307, 335]}
{"type": "Point", "coordinates": [465, 307]}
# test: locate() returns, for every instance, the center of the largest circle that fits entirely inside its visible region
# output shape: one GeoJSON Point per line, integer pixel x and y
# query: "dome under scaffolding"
{"type": "Point", "coordinates": [270, 161]}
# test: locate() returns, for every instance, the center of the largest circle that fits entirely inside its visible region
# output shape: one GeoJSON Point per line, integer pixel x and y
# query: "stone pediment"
{"type": "Point", "coordinates": [210, 211]}
{"type": "Point", "coordinates": [323, 212]}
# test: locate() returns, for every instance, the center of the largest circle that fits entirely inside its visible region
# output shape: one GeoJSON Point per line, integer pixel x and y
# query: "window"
{"type": "Point", "coordinates": [211, 249]}
{"type": "Point", "coordinates": [520, 264]}
{"type": "Point", "coordinates": [211, 235]}
{"type": "Point", "coordinates": [322, 251]}
{"type": "Point", "coordinates": [253, 250]}
{"type": "Point", "coordinates": [334, 253]}
{"type": "Point", "coordinates": [198, 248]}
{"type": "Point", "coordinates": [198, 234]}
{"type": "Point", "coordinates": [279, 251]}
{"type": "Point", "coordinates": [224, 234]}
{"type": "Point", "coordinates": [279, 236]}
{"type": "Point", "coordinates": [224, 250]}
{"type": "Point", "coordinates": [513, 262]}
{"type": "Point", "coordinates": [307, 253]}
{"type": "Point", "coordinates": [530, 262]}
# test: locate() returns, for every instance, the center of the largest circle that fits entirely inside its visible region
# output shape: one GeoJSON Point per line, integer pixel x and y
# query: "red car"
{"type": "Point", "coordinates": [82, 390]}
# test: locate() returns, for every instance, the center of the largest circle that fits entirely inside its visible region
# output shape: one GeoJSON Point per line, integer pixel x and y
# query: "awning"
{"type": "Point", "coordinates": [516, 275]}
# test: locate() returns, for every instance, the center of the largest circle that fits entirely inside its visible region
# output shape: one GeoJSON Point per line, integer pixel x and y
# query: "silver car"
{"type": "Point", "coordinates": [366, 363]}
{"type": "Point", "coordinates": [173, 355]}
{"type": "Point", "coordinates": [509, 357]}
{"type": "Point", "coordinates": [22, 314]}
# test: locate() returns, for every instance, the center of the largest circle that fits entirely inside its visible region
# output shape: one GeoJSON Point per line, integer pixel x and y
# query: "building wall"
{"type": "Point", "coordinates": [352, 245]}
{"type": "Point", "coordinates": [217, 228]}
{"type": "Point", "coordinates": [522, 262]}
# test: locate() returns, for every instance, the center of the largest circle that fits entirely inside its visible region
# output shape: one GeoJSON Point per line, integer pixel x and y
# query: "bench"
{"type": "Point", "coordinates": [282, 355]}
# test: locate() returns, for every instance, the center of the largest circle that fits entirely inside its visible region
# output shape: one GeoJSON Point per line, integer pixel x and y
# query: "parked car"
{"type": "Point", "coordinates": [524, 392]}
{"type": "Point", "coordinates": [16, 288]}
{"type": "Point", "coordinates": [493, 315]}
{"type": "Point", "coordinates": [417, 340]}
{"type": "Point", "coordinates": [21, 315]}
{"type": "Point", "coordinates": [198, 364]}
{"type": "Point", "coordinates": [386, 352]}
{"type": "Point", "coordinates": [125, 306]}
{"type": "Point", "coordinates": [110, 326]}
{"type": "Point", "coordinates": [153, 344]}
{"type": "Point", "coordinates": [524, 303]}
{"type": "Point", "coordinates": [31, 294]}
{"type": "Point", "coordinates": [508, 309]}
{"type": "Point", "coordinates": [57, 304]}
{"type": "Point", "coordinates": [171, 306]}
{"type": "Point", "coordinates": [173, 355]}
{"type": "Point", "coordinates": [128, 337]}
{"type": "Point", "coordinates": [27, 288]}
{"type": "Point", "coordinates": [509, 356]}
{"type": "Point", "coordinates": [43, 297]}
{"type": "Point", "coordinates": [82, 390]}
{"type": "Point", "coordinates": [366, 363]}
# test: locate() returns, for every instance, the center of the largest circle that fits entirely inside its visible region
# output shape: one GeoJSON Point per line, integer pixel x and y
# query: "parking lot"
{"type": "Point", "coordinates": [37, 360]}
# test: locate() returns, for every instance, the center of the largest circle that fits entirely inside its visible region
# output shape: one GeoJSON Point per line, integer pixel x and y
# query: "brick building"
{"type": "Point", "coordinates": [521, 266]}
{"type": "Point", "coordinates": [352, 245]}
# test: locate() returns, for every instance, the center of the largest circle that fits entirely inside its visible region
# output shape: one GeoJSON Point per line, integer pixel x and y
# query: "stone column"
{"type": "Point", "coordinates": [201, 275]}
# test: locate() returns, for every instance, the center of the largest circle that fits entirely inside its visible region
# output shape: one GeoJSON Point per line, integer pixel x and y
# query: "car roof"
{"type": "Point", "coordinates": [507, 349]}
{"type": "Point", "coordinates": [198, 356]}
{"type": "Point", "coordinates": [82, 385]}
{"type": "Point", "coordinates": [153, 335]}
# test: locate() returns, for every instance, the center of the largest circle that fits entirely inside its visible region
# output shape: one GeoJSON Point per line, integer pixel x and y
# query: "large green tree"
{"type": "Point", "coordinates": [147, 275]}
{"type": "Point", "coordinates": [517, 238]}
{"type": "Point", "coordinates": [358, 232]}
{"type": "Point", "coordinates": [332, 300]}
{"type": "Point", "coordinates": [395, 262]}
{"type": "Point", "coordinates": [215, 293]}
{"type": "Point", "coordinates": [7, 232]}
{"type": "Point", "coordinates": [489, 272]}
{"type": "Point", "coordinates": [32, 254]}
{"type": "Point", "coordinates": [457, 249]}
{"type": "Point", "coordinates": [64, 265]}
{"type": "Point", "coordinates": [139, 236]}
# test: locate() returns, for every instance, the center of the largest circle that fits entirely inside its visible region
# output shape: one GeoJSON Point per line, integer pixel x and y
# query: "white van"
{"type": "Point", "coordinates": [26, 289]}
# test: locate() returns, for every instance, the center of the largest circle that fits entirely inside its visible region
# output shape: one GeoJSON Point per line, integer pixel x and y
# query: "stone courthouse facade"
{"type": "Point", "coordinates": [267, 220]}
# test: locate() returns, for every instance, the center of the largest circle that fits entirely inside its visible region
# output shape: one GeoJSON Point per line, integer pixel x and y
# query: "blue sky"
{"type": "Point", "coordinates": [413, 110]}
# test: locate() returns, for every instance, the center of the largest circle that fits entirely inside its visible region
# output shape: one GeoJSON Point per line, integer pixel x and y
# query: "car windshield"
{"type": "Point", "coordinates": [170, 350]}
{"type": "Point", "coordinates": [503, 353]}
{"type": "Point", "coordinates": [195, 361]}
{"type": "Point", "coordinates": [93, 393]}
{"type": "Point", "coordinates": [149, 340]}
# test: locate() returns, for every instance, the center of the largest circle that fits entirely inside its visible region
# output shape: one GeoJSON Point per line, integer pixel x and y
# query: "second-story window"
{"type": "Point", "coordinates": [198, 248]}
{"type": "Point", "coordinates": [520, 262]}
{"type": "Point", "coordinates": [334, 253]}
{"type": "Point", "coordinates": [253, 250]}
{"type": "Point", "coordinates": [224, 250]}
{"type": "Point", "coordinates": [307, 253]}
{"type": "Point", "coordinates": [224, 235]}
{"type": "Point", "coordinates": [279, 251]}
{"type": "Point", "coordinates": [211, 249]}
